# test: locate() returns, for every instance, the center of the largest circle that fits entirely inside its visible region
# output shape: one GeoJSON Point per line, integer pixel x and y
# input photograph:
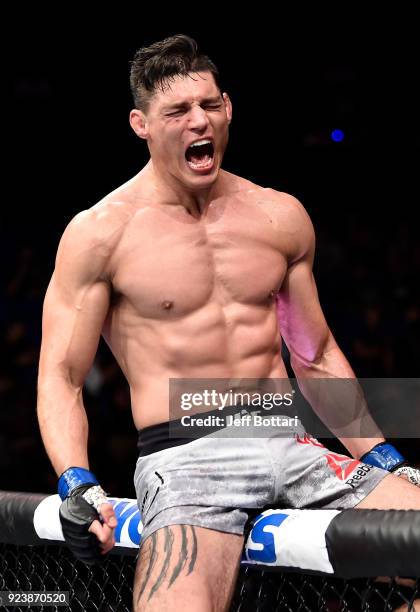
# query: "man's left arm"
{"type": "Point", "coordinates": [313, 349]}
{"type": "Point", "coordinates": [316, 355]}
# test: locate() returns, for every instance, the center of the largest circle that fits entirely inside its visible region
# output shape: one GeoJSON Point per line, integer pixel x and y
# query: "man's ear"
{"type": "Point", "coordinates": [228, 106]}
{"type": "Point", "coordinates": [138, 122]}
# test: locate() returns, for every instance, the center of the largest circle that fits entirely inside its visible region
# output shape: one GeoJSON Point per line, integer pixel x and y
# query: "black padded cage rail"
{"type": "Point", "coordinates": [30, 563]}
{"type": "Point", "coordinates": [108, 587]}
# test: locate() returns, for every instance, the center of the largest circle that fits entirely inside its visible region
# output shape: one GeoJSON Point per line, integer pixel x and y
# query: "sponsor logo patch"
{"type": "Point", "coordinates": [340, 464]}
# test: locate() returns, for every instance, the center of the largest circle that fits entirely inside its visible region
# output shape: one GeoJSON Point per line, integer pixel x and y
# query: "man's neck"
{"type": "Point", "coordinates": [168, 190]}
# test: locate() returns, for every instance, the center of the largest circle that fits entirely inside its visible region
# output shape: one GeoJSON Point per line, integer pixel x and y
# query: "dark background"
{"type": "Point", "coordinates": [292, 81]}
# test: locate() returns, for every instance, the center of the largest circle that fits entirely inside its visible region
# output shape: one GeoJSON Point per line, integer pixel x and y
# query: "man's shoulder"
{"type": "Point", "coordinates": [265, 195]}
{"type": "Point", "coordinates": [234, 184]}
{"type": "Point", "coordinates": [289, 218]}
{"type": "Point", "coordinates": [282, 200]}
{"type": "Point", "coordinates": [106, 220]}
{"type": "Point", "coordinates": [287, 208]}
{"type": "Point", "coordinates": [91, 237]}
{"type": "Point", "coordinates": [278, 202]}
{"type": "Point", "coordinates": [94, 226]}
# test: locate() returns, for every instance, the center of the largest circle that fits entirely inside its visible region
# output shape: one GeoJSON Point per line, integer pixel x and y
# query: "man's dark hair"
{"type": "Point", "coordinates": [153, 66]}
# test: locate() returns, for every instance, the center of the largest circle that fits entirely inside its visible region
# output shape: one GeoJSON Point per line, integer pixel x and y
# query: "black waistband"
{"type": "Point", "coordinates": [156, 438]}
{"type": "Point", "coordinates": [172, 433]}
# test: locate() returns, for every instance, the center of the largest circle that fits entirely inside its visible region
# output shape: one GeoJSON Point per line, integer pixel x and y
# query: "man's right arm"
{"type": "Point", "coordinates": [75, 307]}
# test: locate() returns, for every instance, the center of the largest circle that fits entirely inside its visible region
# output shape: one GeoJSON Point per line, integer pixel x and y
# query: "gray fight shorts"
{"type": "Point", "coordinates": [219, 482]}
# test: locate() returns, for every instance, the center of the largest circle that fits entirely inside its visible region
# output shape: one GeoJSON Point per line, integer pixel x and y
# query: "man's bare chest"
{"type": "Point", "coordinates": [176, 268]}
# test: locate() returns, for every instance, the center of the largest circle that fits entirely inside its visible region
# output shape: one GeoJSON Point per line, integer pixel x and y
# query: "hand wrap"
{"type": "Point", "coordinates": [82, 497]}
{"type": "Point", "coordinates": [386, 456]}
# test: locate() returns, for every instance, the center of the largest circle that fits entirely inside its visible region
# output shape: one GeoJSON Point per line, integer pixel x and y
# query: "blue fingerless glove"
{"type": "Point", "coordinates": [384, 456]}
{"type": "Point", "coordinates": [81, 497]}
{"type": "Point", "coordinates": [72, 478]}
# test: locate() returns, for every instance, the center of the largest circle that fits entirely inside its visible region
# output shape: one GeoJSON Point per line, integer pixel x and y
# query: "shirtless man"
{"type": "Point", "coordinates": [179, 269]}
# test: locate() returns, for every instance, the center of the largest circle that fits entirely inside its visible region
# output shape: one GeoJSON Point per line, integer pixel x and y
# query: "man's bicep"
{"type": "Point", "coordinates": [71, 329]}
{"type": "Point", "coordinates": [302, 322]}
{"type": "Point", "coordinates": [75, 307]}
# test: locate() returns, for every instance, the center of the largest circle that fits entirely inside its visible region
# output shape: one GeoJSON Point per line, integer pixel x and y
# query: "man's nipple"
{"type": "Point", "coordinates": [167, 304]}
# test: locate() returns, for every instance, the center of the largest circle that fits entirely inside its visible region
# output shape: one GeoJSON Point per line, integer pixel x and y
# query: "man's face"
{"type": "Point", "coordinates": [186, 127]}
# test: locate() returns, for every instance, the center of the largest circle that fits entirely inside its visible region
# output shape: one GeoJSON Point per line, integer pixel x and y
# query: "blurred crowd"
{"type": "Point", "coordinates": [369, 290]}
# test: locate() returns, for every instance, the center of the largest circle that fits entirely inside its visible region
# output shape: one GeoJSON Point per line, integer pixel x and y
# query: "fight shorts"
{"type": "Point", "coordinates": [221, 482]}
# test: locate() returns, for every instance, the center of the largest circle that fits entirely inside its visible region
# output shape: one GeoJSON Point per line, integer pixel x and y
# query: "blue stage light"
{"type": "Point", "coordinates": [337, 135]}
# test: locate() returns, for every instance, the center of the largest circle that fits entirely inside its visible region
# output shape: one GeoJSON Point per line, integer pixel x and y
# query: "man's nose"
{"type": "Point", "coordinates": [198, 118]}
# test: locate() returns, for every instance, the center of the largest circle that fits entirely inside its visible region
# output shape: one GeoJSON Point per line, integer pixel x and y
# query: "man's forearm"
{"type": "Point", "coordinates": [341, 404]}
{"type": "Point", "coordinates": [63, 423]}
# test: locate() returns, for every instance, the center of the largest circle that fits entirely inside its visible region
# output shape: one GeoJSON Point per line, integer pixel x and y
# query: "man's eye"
{"type": "Point", "coordinates": [213, 107]}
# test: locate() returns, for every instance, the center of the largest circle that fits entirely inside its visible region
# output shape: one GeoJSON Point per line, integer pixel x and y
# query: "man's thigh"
{"type": "Point", "coordinates": [392, 493]}
{"type": "Point", "coordinates": [187, 568]}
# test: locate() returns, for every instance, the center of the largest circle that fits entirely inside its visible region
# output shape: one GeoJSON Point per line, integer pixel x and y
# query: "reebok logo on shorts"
{"type": "Point", "coordinates": [361, 472]}
{"type": "Point", "coordinates": [340, 464]}
{"type": "Point", "coordinates": [337, 464]}
{"type": "Point", "coordinates": [308, 440]}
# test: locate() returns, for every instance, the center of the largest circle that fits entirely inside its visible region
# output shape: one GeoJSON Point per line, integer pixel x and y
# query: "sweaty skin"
{"type": "Point", "coordinates": [177, 294]}
{"type": "Point", "coordinates": [181, 270]}
{"type": "Point", "coordinates": [198, 299]}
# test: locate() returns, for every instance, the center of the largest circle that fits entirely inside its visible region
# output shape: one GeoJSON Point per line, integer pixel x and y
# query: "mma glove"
{"type": "Point", "coordinates": [385, 456]}
{"type": "Point", "coordinates": [81, 497]}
